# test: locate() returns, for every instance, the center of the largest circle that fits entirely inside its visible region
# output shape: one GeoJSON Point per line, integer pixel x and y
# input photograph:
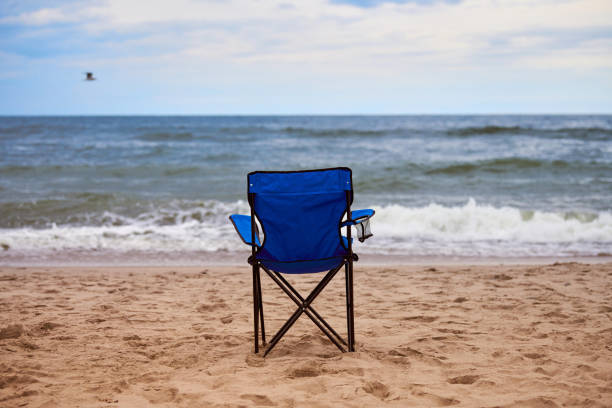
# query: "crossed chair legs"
{"type": "Point", "coordinates": [304, 306]}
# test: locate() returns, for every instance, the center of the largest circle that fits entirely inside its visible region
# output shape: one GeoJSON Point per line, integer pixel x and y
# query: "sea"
{"type": "Point", "coordinates": [159, 189]}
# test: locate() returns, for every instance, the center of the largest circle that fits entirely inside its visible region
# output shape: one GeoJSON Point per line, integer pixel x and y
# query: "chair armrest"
{"type": "Point", "coordinates": [358, 216]}
{"type": "Point", "coordinates": [360, 219]}
{"type": "Point", "coordinates": [242, 223]}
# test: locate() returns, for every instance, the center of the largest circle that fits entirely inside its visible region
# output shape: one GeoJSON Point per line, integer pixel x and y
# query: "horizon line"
{"type": "Point", "coordinates": [3, 115]}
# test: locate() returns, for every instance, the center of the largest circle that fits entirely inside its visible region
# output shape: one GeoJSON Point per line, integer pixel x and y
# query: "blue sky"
{"type": "Point", "coordinates": [305, 57]}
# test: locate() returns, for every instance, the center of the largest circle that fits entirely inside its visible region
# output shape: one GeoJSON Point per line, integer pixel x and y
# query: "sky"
{"type": "Point", "coordinates": [192, 57]}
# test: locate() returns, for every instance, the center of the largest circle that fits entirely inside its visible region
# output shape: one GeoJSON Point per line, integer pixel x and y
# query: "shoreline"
{"type": "Point", "coordinates": [225, 259]}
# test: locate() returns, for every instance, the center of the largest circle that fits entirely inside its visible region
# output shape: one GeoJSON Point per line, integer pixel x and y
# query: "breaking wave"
{"type": "Point", "coordinates": [433, 230]}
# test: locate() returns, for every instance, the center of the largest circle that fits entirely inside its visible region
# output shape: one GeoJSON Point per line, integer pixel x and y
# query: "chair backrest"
{"type": "Point", "coordinates": [300, 212]}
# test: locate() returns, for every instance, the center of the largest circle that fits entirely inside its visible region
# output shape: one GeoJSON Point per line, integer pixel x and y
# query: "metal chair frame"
{"type": "Point", "coordinates": [304, 304]}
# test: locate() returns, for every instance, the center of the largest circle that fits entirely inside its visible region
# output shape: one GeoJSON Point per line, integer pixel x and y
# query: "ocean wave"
{"type": "Point", "coordinates": [167, 136]}
{"type": "Point", "coordinates": [486, 130]}
{"type": "Point", "coordinates": [11, 170]}
{"type": "Point", "coordinates": [585, 133]}
{"type": "Point", "coordinates": [136, 172]}
{"type": "Point", "coordinates": [335, 132]}
{"type": "Point", "coordinates": [505, 165]}
{"type": "Point", "coordinates": [196, 226]}
{"type": "Point", "coordinates": [474, 222]}
{"type": "Point", "coordinates": [25, 130]}
{"type": "Point", "coordinates": [315, 132]}
{"type": "Point", "coordinates": [594, 133]}
{"type": "Point", "coordinates": [407, 175]}
{"type": "Point", "coordinates": [467, 230]}
{"type": "Point", "coordinates": [234, 133]}
{"type": "Point", "coordinates": [110, 210]}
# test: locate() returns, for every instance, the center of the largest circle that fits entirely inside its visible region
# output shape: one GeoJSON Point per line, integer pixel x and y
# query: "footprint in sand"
{"type": "Point", "coordinates": [377, 389]}
{"type": "Point", "coordinates": [160, 395]}
{"type": "Point", "coordinates": [415, 354]}
{"type": "Point", "coordinates": [258, 399]}
{"type": "Point", "coordinates": [184, 362]}
{"type": "Point", "coordinates": [12, 331]}
{"type": "Point", "coordinates": [421, 318]}
{"type": "Point", "coordinates": [45, 328]}
{"type": "Point", "coordinates": [436, 400]}
{"type": "Point", "coordinates": [308, 369]}
{"type": "Point", "coordinates": [26, 345]}
{"type": "Point", "coordinates": [204, 308]}
{"type": "Point", "coordinates": [538, 402]}
{"type": "Point", "coordinates": [534, 356]}
{"type": "Point", "coordinates": [16, 380]}
{"type": "Point", "coordinates": [131, 337]}
{"type": "Point", "coordinates": [464, 379]}
{"type": "Point", "coordinates": [254, 360]}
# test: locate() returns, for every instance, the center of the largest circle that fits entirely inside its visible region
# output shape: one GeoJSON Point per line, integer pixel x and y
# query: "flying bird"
{"type": "Point", "coordinates": [89, 76]}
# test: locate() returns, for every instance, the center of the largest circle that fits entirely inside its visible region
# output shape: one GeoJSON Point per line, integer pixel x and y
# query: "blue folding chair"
{"type": "Point", "coordinates": [302, 214]}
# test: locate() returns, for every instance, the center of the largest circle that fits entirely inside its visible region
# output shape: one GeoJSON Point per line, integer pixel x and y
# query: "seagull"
{"type": "Point", "coordinates": [89, 76]}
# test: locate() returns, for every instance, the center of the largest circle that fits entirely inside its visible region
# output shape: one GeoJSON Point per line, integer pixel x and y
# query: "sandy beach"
{"type": "Point", "coordinates": [464, 336]}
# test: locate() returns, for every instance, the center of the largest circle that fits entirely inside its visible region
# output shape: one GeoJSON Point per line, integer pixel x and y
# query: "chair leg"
{"type": "Point", "coordinates": [352, 308]}
{"type": "Point", "coordinates": [261, 313]}
{"type": "Point", "coordinates": [255, 309]}
{"type": "Point", "coordinates": [348, 306]}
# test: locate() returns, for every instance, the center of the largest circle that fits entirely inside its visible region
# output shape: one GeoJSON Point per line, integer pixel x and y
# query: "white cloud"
{"type": "Point", "coordinates": [40, 17]}
{"type": "Point", "coordinates": [325, 37]}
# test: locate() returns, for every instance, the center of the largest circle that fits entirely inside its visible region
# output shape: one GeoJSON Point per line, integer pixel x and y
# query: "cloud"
{"type": "Point", "coordinates": [341, 42]}
{"type": "Point", "coordinates": [39, 17]}
{"type": "Point", "coordinates": [316, 30]}
{"type": "Point", "coordinates": [376, 3]}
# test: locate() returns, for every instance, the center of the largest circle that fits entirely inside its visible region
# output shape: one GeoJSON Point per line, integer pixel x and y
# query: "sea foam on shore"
{"type": "Point", "coordinates": [468, 230]}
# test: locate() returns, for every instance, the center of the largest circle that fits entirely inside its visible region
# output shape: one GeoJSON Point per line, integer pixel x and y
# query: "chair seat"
{"type": "Point", "coordinates": [296, 267]}
{"type": "Point", "coordinates": [313, 266]}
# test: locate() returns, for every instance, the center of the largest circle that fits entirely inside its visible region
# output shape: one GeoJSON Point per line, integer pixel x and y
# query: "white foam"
{"type": "Point", "coordinates": [205, 227]}
{"type": "Point", "coordinates": [468, 230]}
{"type": "Point", "coordinates": [474, 229]}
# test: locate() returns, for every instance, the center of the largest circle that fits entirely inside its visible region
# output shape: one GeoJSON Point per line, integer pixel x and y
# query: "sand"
{"type": "Point", "coordinates": [463, 336]}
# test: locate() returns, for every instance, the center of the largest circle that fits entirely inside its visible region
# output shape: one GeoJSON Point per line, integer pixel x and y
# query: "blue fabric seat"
{"type": "Point", "coordinates": [301, 214]}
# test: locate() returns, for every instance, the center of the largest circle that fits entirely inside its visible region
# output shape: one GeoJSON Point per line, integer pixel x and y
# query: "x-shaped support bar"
{"type": "Point", "coordinates": [304, 307]}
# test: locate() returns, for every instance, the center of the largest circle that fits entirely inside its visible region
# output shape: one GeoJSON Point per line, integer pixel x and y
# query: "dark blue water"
{"type": "Point", "coordinates": [531, 185]}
